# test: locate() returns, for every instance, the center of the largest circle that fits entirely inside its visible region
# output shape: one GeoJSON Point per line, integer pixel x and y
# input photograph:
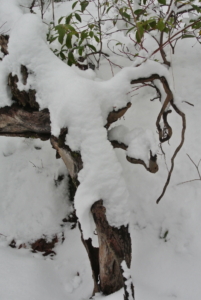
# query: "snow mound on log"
{"type": "Point", "coordinates": [82, 105]}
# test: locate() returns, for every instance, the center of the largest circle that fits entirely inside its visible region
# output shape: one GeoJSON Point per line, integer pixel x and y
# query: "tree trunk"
{"type": "Point", "coordinates": [114, 248]}
{"type": "Point", "coordinates": [114, 243]}
{"type": "Point", "coordinates": [24, 119]}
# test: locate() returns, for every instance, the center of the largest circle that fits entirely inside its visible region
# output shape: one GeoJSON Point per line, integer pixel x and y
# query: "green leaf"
{"type": "Point", "coordinates": [61, 32]}
{"type": "Point", "coordinates": [97, 38]}
{"type": "Point", "coordinates": [185, 36]}
{"type": "Point", "coordinates": [92, 47]}
{"type": "Point", "coordinates": [125, 15]}
{"type": "Point", "coordinates": [91, 26]}
{"type": "Point", "coordinates": [161, 25]}
{"type": "Point", "coordinates": [139, 12]}
{"type": "Point", "coordinates": [74, 4]}
{"type": "Point", "coordinates": [84, 5]}
{"type": "Point", "coordinates": [139, 33]}
{"type": "Point", "coordinates": [60, 19]}
{"type": "Point", "coordinates": [78, 17]}
{"type": "Point", "coordinates": [162, 2]}
{"type": "Point", "coordinates": [197, 25]}
{"type": "Point", "coordinates": [91, 34]}
{"type": "Point", "coordinates": [68, 19]}
{"type": "Point", "coordinates": [69, 27]}
{"type": "Point", "coordinates": [63, 57]}
{"type": "Point", "coordinates": [71, 59]}
{"type": "Point", "coordinates": [109, 8]}
{"type": "Point", "coordinates": [84, 35]}
{"type": "Point", "coordinates": [197, 8]}
{"type": "Point", "coordinates": [52, 39]}
{"type": "Point", "coordinates": [68, 41]}
{"type": "Point", "coordinates": [130, 29]}
{"type": "Point", "coordinates": [153, 24]}
{"type": "Point", "coordinates": [80, 51]}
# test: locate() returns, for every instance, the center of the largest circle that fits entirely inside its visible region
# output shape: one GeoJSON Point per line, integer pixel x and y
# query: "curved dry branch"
{"type": "Point", "coordinates": [153, 166]}
{"type": "Point", "coordinates": [166, 133]}
{"type": "Point", "coordinates": [116, 144]}
{"type": "Point", "coordinates": [182, 115]}
{"type": "Point", "coordinates": [116, 114]}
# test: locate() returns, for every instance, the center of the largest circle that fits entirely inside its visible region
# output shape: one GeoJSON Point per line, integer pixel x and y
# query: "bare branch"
{"type": "Point", "coordinates": [188, 103]}
{"type": "Point", "coordinates": [116, 114]}
{"type": "Point", "coordinates": [163, 135]}
{"type": "Point", "coordinates": [177, 149]}
{"type": "Point", "coordinates": [188, 181]}
{"type": "Point", "coordinates": [153, 166]}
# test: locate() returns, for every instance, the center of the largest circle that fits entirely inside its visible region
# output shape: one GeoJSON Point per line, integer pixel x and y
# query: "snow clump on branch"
{"type": "Point", "coordinates": [80, 104]}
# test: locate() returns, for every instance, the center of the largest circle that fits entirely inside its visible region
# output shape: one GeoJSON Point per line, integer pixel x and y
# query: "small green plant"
{"type": "Point", "coordinates": [75, 44]}
{"type": "Point", "coordinates": [162, 20]}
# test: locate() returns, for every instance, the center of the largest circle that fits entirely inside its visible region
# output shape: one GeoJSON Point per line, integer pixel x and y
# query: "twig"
{"type": "Point", "coordinates": [188, 181]}
{"type": "Point", "coordinates": [177, 149]}
{"type": "Point", "coordinates": [188, 103]}
{"type": "Point", "coordinates": [197, 166]}
{"type": "Point", "coordinates": [163, 153]}
{"type": "Point", "coordinates": [53, 16]}
{"type": "Point", "coordinates": [33, 164]}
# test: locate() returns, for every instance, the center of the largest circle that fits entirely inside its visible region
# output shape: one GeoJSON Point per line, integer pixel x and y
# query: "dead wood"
{"type": "Point", "coordinates": [165, 133]}
{"type": "Point", "coordinates": [72, 160]}
{"type": "Point", "coordinates": [153, 166]}
{"type": "Point", "coordinates": [22, 97]}
{"type": "Point", "coordinates": [114, 248]}
{"type": "Point", "coordinates": [116, 114]}
{"type": "Point", "coordinates": [18, 121]}
{"type": "Point", "coordinates": [4, 44]}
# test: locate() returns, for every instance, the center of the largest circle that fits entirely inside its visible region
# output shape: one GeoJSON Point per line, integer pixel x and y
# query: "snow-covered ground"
{"type": "Point", "coordinates": [166, 259]}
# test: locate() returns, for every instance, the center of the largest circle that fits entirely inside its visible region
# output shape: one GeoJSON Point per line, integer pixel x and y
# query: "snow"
{"type": "Point", "coordinates": [139, 141]}
{"type": "Point", "coordinates": [73, 106]}
{"type": "Point", "coordinates": [25, 166]}
{"type": "Point", "coordinates": [163, 267]}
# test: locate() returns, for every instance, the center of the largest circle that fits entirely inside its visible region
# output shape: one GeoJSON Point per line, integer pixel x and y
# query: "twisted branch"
{"type": "Point", "coordinates": [166, 133]}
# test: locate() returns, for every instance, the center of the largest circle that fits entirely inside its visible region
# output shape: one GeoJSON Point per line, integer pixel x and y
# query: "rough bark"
{"type": "Point", "coordinates": [93, 254]}
{"type": "Point", "coordinates": [114, 248]}
{"type": "Point", "coordinates": [72, 160]}
{"type": "Point", "coordinates": [24, 98]}
{"type": "Point", "coordinates": [4, 44]}
{"type": "Point", "coordinates": [116, 114]}
{"type": "Point", "coordinates": [24, 119]}
{"type": "Point", "coordinates": [17, 121]}
{"type": "Point", "coordinates": [114, 243]}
